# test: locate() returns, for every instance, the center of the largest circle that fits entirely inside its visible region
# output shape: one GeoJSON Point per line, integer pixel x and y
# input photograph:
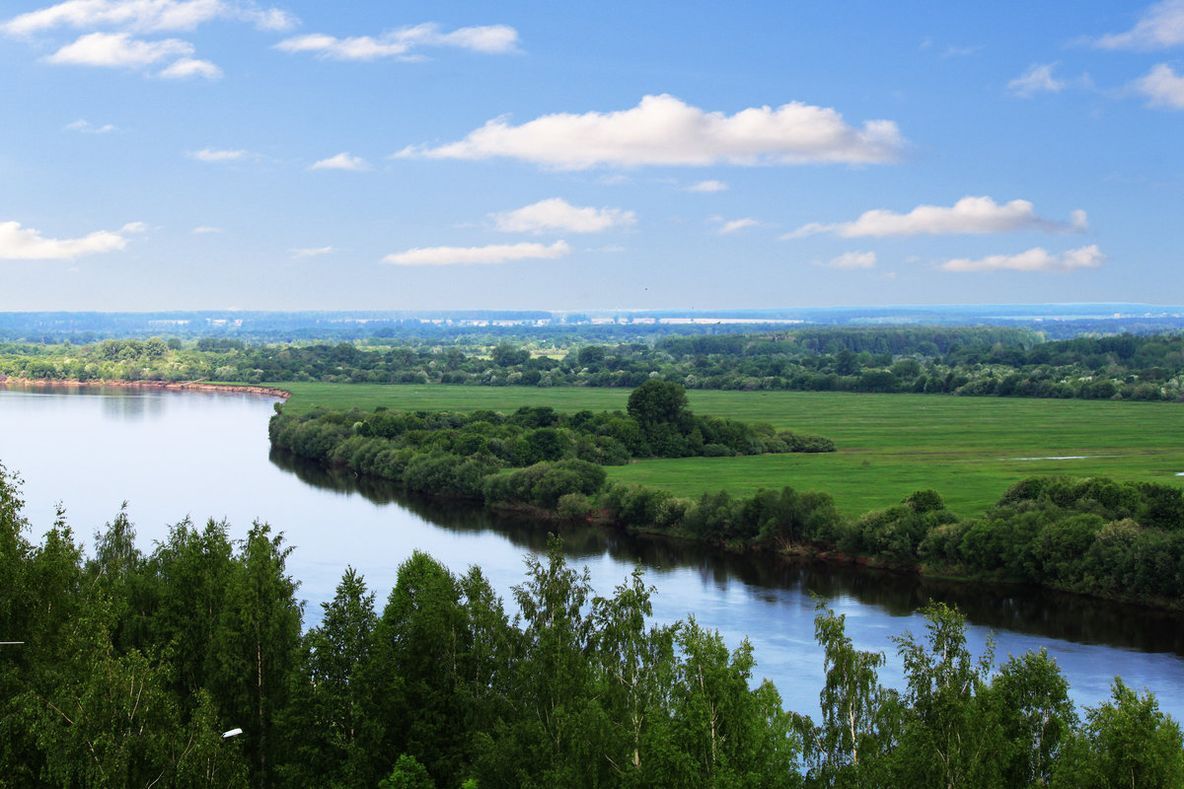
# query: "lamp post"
{"type": "Point", "coordinates": [226, 735]}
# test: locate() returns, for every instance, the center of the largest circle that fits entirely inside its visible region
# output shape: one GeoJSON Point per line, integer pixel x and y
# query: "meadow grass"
{"type": "Point", "coordinates": [970, 449]}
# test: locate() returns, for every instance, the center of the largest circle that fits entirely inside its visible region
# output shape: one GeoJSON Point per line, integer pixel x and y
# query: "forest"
{"type": "Point", "coordinates": [981, 361]}
{"type": "Point", "coordinates": [128, 667]}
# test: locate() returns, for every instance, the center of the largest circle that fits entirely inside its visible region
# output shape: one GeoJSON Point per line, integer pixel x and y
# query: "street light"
{"type": "Point", "coordinates": [226, 735]}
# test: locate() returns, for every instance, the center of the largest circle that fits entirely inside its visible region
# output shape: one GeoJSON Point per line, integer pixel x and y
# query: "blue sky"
{"type": "Point", "coordinates": [188, 154]}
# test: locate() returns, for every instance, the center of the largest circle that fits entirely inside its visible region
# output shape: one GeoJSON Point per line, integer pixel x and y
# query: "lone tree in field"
{"type": "Point", "coordinates": [657, 403]}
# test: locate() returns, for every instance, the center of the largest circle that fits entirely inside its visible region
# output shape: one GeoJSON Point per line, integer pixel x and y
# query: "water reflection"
{"type": "Point", "coordinates": [1000, 607]}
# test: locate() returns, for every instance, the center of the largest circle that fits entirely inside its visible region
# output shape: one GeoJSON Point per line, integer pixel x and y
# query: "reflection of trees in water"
{"type": "Point", "coordinates": [999, 606]}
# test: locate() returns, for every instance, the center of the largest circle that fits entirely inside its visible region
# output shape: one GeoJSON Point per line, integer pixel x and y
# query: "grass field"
{"type": "Point", "coordinates": [968, 448]}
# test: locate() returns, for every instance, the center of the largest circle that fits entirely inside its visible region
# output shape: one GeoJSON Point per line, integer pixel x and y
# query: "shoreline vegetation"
{"type": "Point", "coordinates": [443, 686]}
{"type": "Point", "coordinates": [1122, 541]}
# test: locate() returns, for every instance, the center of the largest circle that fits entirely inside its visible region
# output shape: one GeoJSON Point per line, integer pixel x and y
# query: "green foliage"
{"type": "Point", "coordinates": [133, 666]}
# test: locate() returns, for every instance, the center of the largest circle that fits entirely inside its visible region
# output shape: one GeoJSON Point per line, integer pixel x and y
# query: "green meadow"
{"type": "Point", "coordinates": [970, 449]}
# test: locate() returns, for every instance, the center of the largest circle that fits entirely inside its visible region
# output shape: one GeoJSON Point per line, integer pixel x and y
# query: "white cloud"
{"type": "Point", "coordinates": [342, 161]}
{"type": "Point", "coordinates": [312, 252]}
{"type": "Point", "coordinates": [493, 253]}
{"type": "Point", "coordinates": [26, 243]}
{"type": "Point", "coordinates": [118, 50]}
{"type": "Point", "coordinates": [708, 186]}
{"type": "Point", "coordinates": [205, 230]}
{"type": "Point", "coordinates": [853, 260]}
{"type": "Point", "coordinates": [558, 215]}
{"type": "Point", "coordinates": [191, 67]}
{"type": "Point", "coordinates": [736, 225]}
{"type": "Point", "coordinates": [968, 216]}
{"type": "Point", "coordinates": [1037, 79]}
{"type": "Point", "coordinates": [143, 16]}
{"type": "Point", "coordinates": [403, 43]}
{"type": "Point", "coordinates": [1163, 87]}
{"type": "Point", "coordinates": [86, 127]}
{"type": "Point", "coordinates": [664, 130]}
{"type": "Point", "coordinates": [1161, 26]}
{"type": "Point", "coordinates": [1035, 259]}
{"type": "Point", "coordinates": [218, 155]}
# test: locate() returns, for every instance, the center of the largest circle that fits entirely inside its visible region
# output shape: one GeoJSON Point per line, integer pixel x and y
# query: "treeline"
{"type": "Point", "coordinates": [965, 361]}
{"type": "Point", "coordinates": [133, 665]}
{"type": "Point", "coordinates": [1119, 540]}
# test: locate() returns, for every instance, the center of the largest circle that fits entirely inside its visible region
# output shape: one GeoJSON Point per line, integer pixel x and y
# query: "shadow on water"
{"type": "Point", "coordinates": [1002, 607]}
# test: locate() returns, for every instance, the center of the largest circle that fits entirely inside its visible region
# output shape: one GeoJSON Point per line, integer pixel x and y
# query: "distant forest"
{"type": "Point", "coordinates": [1004, 362]}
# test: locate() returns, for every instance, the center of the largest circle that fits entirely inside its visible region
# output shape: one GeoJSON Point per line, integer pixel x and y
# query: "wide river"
{"type": "Point", "coordinates": [172, 455]}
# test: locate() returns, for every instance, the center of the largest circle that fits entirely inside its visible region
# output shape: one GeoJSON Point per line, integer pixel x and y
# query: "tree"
{"type": "Point", "coordinates": [1127, 742]}
{"type": "Point", "coordinates": [635, 667]}
{"type": "Point", "coordinates": [412, 671]}
{"type": "Point", "coordinates": [257, 645]}
{"type": "Point", "coordinates": [1030, 698]}
{"type": "Point", "coordinates": [725, 734]}
{"type": "Point", "coordinates": [657, 403]}
{"type": "Point", "coordinates": [859, 716]}
{"type": "Point", "coordinates": [325, 727]}
{"type": "Point", "coordinates": [948, 737]}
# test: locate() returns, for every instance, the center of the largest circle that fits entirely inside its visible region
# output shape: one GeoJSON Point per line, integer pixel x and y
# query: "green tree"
{"type": "Point", "coordinates": [325, 727]}
{"type": "Point", "coordinates": [1127, 742]}
{"type": "Point", "coordinates": [257, 646]}
{"type": "Point", "coordinates": [948, 738]}
{"type": "Point", "coordinates": [413, 671]}
{"type": "Point", "coordinates": [860, 718]}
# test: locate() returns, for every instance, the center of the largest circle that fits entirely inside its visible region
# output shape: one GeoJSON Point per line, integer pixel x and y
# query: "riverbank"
{"type": "Point", "coordinates": [172, 386]}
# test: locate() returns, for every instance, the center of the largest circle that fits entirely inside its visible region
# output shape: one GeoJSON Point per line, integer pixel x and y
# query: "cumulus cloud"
{"type": "Point", "coordinates": [26, 243]}
{"type": "Point", "coordinates": [118, 27]}
{"type": "Point", "coordinates": [218, 155]}
{"type": "Point", "coordinates": [731, 226]}
{"type": "Point", "coordinates": [708, 186]}
{"type": "Point", "coordinates": [664, 130]}
{"type": "Point", "coordinates": [492, 253]}
{"type": "Point", "coordinates": [205, 230]}
{"type": "Point", "coordinates": [312, 252]}
{"type": "Point", "coordinates": [968, 216]}
{"type": "Point", "coordinates": [118, 50]}
{"type": "Point", "coordinates": [853, 260]}
{"type": "Point", "coordinates": [342, 161]}
{"type": "Point", "coordinates": [558, 215]}
{"type": "Point", "coordinates": [1163, 87]}
{"type": "Point", "coordinates": [1037, 79]}
{"type": "Point", "coordinates": [1161, 26]}
{"type": "Point", "coordinates": [86, 127]}
{"type": "Point", "coordinates": [144, 16]}
{"type": "Point", "coordinates": [403, 43]}
{"type": "Point", "coordinates": [1035, 259]}
{"type": "Point", "coordinates": [186, 68]}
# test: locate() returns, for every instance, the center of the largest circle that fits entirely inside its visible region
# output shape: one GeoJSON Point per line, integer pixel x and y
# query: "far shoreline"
{"type": "Point", "coordinates": [175, 386]}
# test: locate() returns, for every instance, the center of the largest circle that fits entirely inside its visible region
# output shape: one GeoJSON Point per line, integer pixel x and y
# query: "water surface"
{"type": "Point", "coordinates": [202, 455]}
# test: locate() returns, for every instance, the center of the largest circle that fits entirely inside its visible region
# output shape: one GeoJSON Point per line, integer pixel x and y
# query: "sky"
{"type": "Point", "coordinates": [227, 154]}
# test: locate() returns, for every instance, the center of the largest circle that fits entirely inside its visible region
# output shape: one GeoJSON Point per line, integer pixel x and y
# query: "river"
{"type": "Point", "coordinates": [202, 455]}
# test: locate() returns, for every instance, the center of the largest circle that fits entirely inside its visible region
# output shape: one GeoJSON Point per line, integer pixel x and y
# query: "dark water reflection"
{"type": "Point", "coordinates": [996, 606]}
{"type": "Point", "coordinates": [206, 455]}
